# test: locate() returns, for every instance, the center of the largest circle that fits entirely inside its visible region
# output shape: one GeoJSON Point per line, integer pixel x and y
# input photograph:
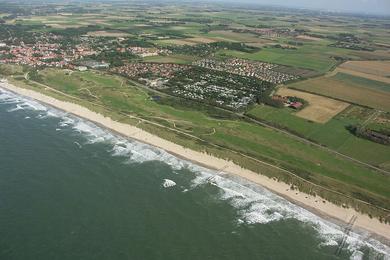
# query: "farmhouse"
{"type": "Point", "coordinates": [296, 105]}
{"type": "Point", "coordinates": [288, 101]}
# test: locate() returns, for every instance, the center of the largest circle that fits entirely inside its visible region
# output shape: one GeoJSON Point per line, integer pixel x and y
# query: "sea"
{"type": "Point", "coordinates": [70, 189]}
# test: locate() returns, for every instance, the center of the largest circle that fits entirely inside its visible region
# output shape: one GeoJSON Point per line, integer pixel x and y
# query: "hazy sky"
{"type": "Point", "coordinates": [362, 6]}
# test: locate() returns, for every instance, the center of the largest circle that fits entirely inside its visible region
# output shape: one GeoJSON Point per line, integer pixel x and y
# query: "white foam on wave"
{"type": "Point", "coordinates": [255, 204]}
{"type": "Point", "coordinates": [258, 205]}
{"type": "Point", "coordinates": [167, 183]}
{"type": "Point", "coordinates": [140, 152]}
{"type": "Point", "coordinates": [21, 103]}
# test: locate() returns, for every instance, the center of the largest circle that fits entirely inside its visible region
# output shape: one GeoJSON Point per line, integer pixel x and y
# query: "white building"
{"type": "Point", "coordinates": [82, 68]}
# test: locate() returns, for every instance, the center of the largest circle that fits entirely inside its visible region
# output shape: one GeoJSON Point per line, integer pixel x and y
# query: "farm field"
{"type": "Point", "coordinates": [108, 34]}
{"type": "Point", "coordinates": [314, 61]}
{"type": "Point", "coordinates": [349, 88]}
{"type": "Point", "coordinates": [334, 133]}
{"type": "Point", "coordinates": [379, 68]}
{"type": "Point", "coordinates": [373, 70]}
{"type": "Point", "coordinates": [178, 59]}
{"type": "Point", "coordinates": [196, 39]}
{"type": "Point", "coordinates": [237, 37]}
{"type": "Point", "coordinates": [114, 93]}
{"type": "Point", "coordinates": [185, 41]}
{"type": "Point", "coordinates": [320, 109]}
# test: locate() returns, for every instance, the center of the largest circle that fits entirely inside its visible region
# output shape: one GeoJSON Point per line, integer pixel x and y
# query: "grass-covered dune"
{"type": "Point", "coordinates": [223, 134]}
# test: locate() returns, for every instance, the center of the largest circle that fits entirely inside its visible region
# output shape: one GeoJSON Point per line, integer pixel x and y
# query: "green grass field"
{"type": "Point", "coordinates": [309, 162]}
{"type": "Point", "coordinates": [333, 134]}
{"type": "Point", "coordinates": [362, 82]}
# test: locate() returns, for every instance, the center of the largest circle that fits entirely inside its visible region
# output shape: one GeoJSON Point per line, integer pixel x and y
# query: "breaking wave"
{"type": "Point", "coordinates": [255, 204]}
{"type": "Point", "coordinates": [168, 183]}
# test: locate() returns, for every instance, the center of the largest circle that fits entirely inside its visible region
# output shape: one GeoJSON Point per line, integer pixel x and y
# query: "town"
{"type": "Point", "coordinates": [261, 70]}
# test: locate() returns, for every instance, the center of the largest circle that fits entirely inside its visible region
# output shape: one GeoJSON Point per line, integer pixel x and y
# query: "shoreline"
{"type": "Point", "coordinates": [316, 205]}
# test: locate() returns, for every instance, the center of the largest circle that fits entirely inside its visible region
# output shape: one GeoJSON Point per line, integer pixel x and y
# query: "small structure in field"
{"type": "Point", "coordinates": [296, 105]}
{"type": "Point", "coordinates": [289, 101]}
{"type": "Point", "coordinates": [82, 68]}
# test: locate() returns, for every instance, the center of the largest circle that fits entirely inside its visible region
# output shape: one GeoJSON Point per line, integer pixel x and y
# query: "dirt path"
{"type": "Point", "coordinates": [90, 93]}
{"type": "Point", "coordinates": [212, 133]}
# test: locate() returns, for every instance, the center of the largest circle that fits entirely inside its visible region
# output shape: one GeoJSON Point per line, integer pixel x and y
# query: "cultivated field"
{"type": "Point", "coordinates": [113, 34]}
{"type": "Point", "coordinates": [349, 88]}
{"type": "Point", "coordinates": [334, 133]}
{"type": "Point", "coordinates": [178, 59]}
{"type": "Point", "coordinates": [201, 40]}
{"type": "Point", "coordinates": [176, 42]}
{"type": "Point", "coordinates": [320, 109]}
{"type": "Point", "coordinates": [374, 70]}
{"type": "Point", "coordinates": [237, 37]}
{"type": "Point", "coordinates": [187, 41]}
{"type": "Point", "coordinates": [308, 38]}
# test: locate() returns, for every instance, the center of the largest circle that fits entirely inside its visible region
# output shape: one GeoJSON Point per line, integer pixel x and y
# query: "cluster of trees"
{"type": "Point", "coordinates": [207, 49]}
{"type": "Point", "coordinates": [214, 27]}
{"type": "Point", "coordinates": [11, 33]}
{"type": "Point", "coordinates": [35, 76]}
{"type": "Point", "coordinates": [279, 46]}
{"type": "Point", "coordinates": [351, 46]}
{"type": "Point", "coordinates": [137, 42]}
{"type": "Point", "coordinates": [114, 57]}
{"type": "Point", "coordinates": [345, 37]}
{"type": "Point", "coordinates": [349, 41]}
{"type": "Point", "coordinates": [6, 56]}
{"type": "Point", "coordinates": [267, 100]}
{"type": "Point", "coordinates": [381, 136]}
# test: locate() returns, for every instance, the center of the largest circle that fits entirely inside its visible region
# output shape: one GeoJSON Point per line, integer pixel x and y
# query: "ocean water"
{"type": "Point", "coordinates": [72, 190]}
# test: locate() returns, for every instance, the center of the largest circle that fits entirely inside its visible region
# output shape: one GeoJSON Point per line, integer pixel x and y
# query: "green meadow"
{"type": "Point", "coordinates": [333, 134]}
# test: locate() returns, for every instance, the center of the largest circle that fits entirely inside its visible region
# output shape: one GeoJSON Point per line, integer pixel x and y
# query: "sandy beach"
{"type": "Point", "coordinates": [314, 204]}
